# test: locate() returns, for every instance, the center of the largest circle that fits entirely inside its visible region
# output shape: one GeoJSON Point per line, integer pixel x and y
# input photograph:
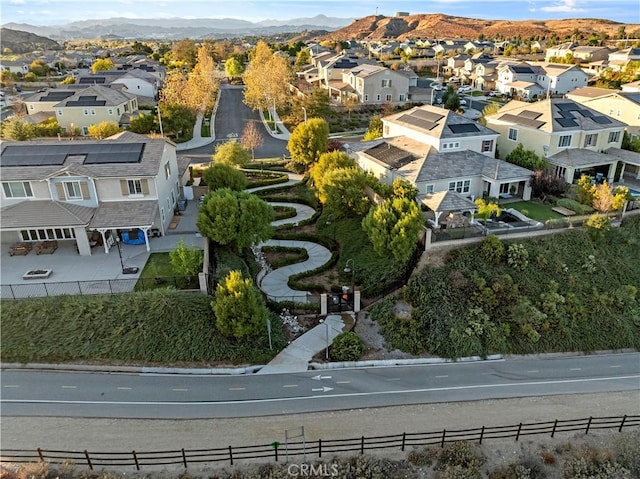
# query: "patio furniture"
{"type": "Point", "coordinates": [20, 248]}
{"type": "Point", "coordinates": [46, 247]}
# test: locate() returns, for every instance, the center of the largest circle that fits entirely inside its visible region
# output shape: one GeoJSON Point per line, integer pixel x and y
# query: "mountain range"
{"type": "Point", "coordinates": [178, 28]}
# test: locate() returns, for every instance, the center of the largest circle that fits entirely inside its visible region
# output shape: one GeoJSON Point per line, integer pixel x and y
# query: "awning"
{"type": "Point", "coordinates": [125, 215]}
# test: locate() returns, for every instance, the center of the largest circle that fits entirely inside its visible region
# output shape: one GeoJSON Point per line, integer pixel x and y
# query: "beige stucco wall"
{"type": "Point", "coordinates": [614, 106]}
{"type": "Point", "coordinates": [373, 87]}
{"type": "Point", "coordinates": [75, 116]}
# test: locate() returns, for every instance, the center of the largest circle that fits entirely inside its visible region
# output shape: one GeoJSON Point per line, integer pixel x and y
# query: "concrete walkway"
{"type": "Point", "coordinates": [295, 357]}
{"type": "Point", "coordinates": [198, 140]}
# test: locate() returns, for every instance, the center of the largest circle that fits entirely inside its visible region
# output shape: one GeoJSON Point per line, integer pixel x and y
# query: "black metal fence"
{"type": "Point", "coordinates": [101, 286]}
{"type": "Point", "coordinates": [316, 448]}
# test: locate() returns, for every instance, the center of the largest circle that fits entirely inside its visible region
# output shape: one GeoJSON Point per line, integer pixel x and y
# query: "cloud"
{"type": "Point", "coordinates": [565, 6]}
{"type": "Point", "coordinates": [17, 2]}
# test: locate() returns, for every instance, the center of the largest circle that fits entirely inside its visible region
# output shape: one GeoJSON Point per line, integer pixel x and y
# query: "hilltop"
{"type": "Point", "coordinates": [446, 26]}
{"type": "Point", "coordinates": [18, 41]}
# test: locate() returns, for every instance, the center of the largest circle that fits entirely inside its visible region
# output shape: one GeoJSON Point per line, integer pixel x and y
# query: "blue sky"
{"type": "Point", "coordinates": [53, 12]}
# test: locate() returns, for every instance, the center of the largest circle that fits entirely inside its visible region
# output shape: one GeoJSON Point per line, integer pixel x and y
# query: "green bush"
{"type": "Point", "coordinates": [347, 347]}
{"type": "Point", "coordinates": [518, 256]}
{"type": "Point", "coordinates": [492, 249]}
{"type": "Point", "coordinates": [590, 462]}
{"type": "Point", "coordinates": [598, 222]}
{"type": "Point", "coordinates": [574, 206]}
{"type": "Point", "coordinates": [462, 454]}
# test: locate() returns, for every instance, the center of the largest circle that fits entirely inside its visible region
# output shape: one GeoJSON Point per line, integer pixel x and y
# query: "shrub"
{"type": "Point", "coordinates": [598, 222]}
{"type": "Point", "coordinates": [492, 249]}
{"type": "Point", "coordinates": [627, 451]}
{"type": "Point", "coordinates": [518, 256]}
{"type": "Point", "coordinates": [460, 453]}
{"type": "Point", "coordinates": [347, 347]}
{"type": "Point", "coordinates": [422, 457]}
{"type": "Point", "coordinates": [591, 462]}
{"type": "Point", "coordinates": [573, 205]}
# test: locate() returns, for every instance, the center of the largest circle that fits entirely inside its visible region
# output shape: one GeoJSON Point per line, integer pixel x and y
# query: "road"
{"type": "Point", "coordinates": [150, 396]}
{"type": "Point", "coordinates": [232, 116]}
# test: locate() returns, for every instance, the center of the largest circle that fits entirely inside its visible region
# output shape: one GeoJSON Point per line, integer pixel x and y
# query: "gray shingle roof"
{"type": "Point", "coordinates": [45, 213]}
{"type": "Point", "coordinates": [581, 158]}
{"type": "Point", "coordinates": [110, 96]}
{"type": "Point", "coordinates": [627, 156]}
{"type": "Point", "coordinates": [124, 214]}
{"type": "Point", "coordinates": [447, 201]}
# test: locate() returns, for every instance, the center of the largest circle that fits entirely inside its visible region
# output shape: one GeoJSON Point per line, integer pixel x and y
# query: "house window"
{"type": "Point", "coordinates": [167, 170]}
{"type": "Point", "coordinates": [451, 146]}
{"type": "Point", "coordinates": [388, 98]}
{"type": "Point", "coordinates": [564, 140]}
{"type": "Point", "coordinates": [560, 171]}
{"type": "Point", "coordinates": [591, 140]}
{"type": "Point", "coordinates": [47, 234]}
{"type": "Point", "coordinates": [72, 190]}
{"type": "Point", "coordinates": [614, 136]}
{"type": "Point", "coordinates": [17, 189]}
{"type": "Point", "coordinates": [386, 130]}
{"type": "Point", "coordinates": [135, 187]}
{"type": "Point", "coordinates": [93, 111]}
{"type": "Point", "coordinates": [366, 98]}
{"type": "Point", "coordinates": [377, 97]}
{"type": "Point", "coordinates": [513, 134]}
{"type": "Point", "coordinates": [460, 186]}
{"type": "Point", "coordinates": [85, 130]}
{"type": "Point", "coordinates": [386, 83]}
{"type": "Point", "coordinates": [118, 111]}
{"type": "Point", "coordinates": [85, 112]}
{"type": "Point", "coordinates": [110, 111]}
{"type": "Point", "coordinates": [429, 189]}
{"type": "Point", "coordinates": [59, 112]}
{"type": "Point", "coordinates": [402, 98]}
{"type": "Point", "coordinates": [30, 107]}
{"type": "Point", "coordinates": [504, 188]}
{"type": "Point", "coordinates": [162, 215]}
{"type": "Point", "coordinates": [487, 145]}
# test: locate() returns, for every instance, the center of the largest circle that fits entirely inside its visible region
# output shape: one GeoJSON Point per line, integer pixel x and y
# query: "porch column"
{"type": "Point", "coordinates": [438, 214]}
{"type": "Point", "coordinates": [82, 241]}
{"type": "Point", "coordinates": [104, 241]}
{"type": "Point", "coordinates": [526, 194]}
{"type": "Point", "coordinates": [624, 165]}
{"type": "Point", "coordinates": [612, 172]}
{"type": "Point", "coordinates": [146, 237]}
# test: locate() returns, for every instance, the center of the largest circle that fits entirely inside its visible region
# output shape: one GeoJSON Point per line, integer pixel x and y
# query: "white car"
{"type": "Point", "coordinates": [495, 93]}
{"type": "Point", "coordinates": [464, 88]}
{"type": "Point", "coordinates": [436, 86]}
{"type": "Point", "coordinates": [463, 102]}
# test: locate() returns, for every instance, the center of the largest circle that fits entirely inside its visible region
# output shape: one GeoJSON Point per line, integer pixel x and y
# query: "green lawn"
{"type": "Point", "coordinates": [158, 273]}
{"type": "Point", "coordinates": [534, 210]}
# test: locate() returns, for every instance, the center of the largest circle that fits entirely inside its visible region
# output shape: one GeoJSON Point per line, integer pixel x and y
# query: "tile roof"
{"type": "Point", "coordinates": [630, 157]}
{"type": "Point", "coordinates": [109, 96]}
{"type": "Point", "coordinates": [124, 214]}
{"type": "Point", "coordinates": [45, 213]}
{"type": "Point", "coordinates": [591, 92]}
{"type": "Point", "coordinates": [447, 201]}
{"type": "Point", "coordinates": [581, 158]}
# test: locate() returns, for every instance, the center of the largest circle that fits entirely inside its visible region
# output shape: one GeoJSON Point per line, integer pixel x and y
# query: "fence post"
{"type": "Point", "coordinates": [135, 458]}
{"type": "Point", "coordinates": [86, 455]}
{"type": "Point", "coordinates": [404, 437]}
{"type": "Point", "coordinates": [231, 455]}
{"type": "Point", "coordinates": [444, 435]}
{"type": "Point", "coordinates": [110, 287]}
{"type": "Point", "coordinates": [40, 455]}
{"type": "Point", "coordinates": [518, 433]}
{"type": "Point", "coordinates": [320, 447]}
{"type": "Point", "coordinates": [79, 288]}
{"type": "Point", "coordinates": [588, 425]}
{"type": "Point", "coordinates": [276, 452]}
{"type": "Point", "coordinates": [362, 445]}
{"type": "Point", "coordinates": [45, 288]}
{"type": "Point", "coordinates": [624, 418]}
{"type": "Point", "coordinates": [555, 424]}
{"type": "Point", "coordinates": [481, 434]}
{"type": "Point", "coordinates": [184, 458]}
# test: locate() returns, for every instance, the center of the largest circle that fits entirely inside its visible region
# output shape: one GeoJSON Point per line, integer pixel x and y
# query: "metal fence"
{"type": "Point", "coordinates": [101, 286]}
{"type": "Point", "coordinates": [317, 448]}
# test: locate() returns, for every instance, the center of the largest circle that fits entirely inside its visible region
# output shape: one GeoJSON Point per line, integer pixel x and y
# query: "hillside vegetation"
{"type": "Point", "coordinates": [574, 291]}
{"type": "Point", "coordinates": [16, 41]}
{"type": "Point", "coordinates": [447, 26]}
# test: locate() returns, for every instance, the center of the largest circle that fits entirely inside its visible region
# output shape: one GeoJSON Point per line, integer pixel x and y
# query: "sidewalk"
{"type": "Point", "coordinates": [197, 141]}
{"type": "Point", "coordinates": [295, 358]}
{"type": "Point", "coordinates": [282, 133]}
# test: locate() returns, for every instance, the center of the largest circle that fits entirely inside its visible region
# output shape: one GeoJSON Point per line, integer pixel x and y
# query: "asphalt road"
{"type": "Point", "coordinates": [108, 395]}
{"type": "Point", "coordinates": [232, 116]}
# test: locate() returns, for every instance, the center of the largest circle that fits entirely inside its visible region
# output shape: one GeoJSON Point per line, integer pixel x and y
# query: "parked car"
{"type": "Point", "coordinates": [495, 93]}
{"type": "Point", "coordinates": [463, 102]}
{"type": "Point", "coordinates": [436, 86]}
{"type": "Point", "coordinates": [464, 88]}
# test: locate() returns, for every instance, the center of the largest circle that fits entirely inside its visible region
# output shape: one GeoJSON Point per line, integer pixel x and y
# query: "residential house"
{"type": "Point", "coordinates": [570, 136]}
{"type": "Point", "coordinates": [519, 80]}
{"type": "Point", "coordinates": [373, 84]}
{"type": "Point", "coordinates": [559, 51]}
{"type": "Point", "coordinates": [15, 66]}
{"type": "Point", "coordinates": [45, 101]}
{"type": "Point", "coordinates": [440, 151]}
{"type": "Point", "coordinates": [455, 63]}
{"type": "Point", "coordinates": [618, 60]}
{"type": "Point", "coordinates": [89, 192]}
{"type": "Point", "coordinates": [94, 105]}
{"type": "Point", "coordinates": [583, 53]}
{"type": "Point", "coordinates": [559, 79]}
{"type": "Point", "coordinates": [140, 83]}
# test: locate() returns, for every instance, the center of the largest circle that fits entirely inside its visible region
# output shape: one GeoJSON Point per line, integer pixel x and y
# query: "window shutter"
{"type": "Point", "coordinates": [85, 190]}
{"type": "Point", "coordinates": [60, 190]}
{"type": "Point", "coordinates": [124, 187]}
{"type": "Point", "coordinates": [145, 187]}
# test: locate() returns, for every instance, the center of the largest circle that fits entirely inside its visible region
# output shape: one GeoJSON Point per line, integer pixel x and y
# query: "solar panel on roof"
{"type": "Point", "coordinates": [105, 153]}
{"type": "Point", "coordinates": [15, 155]}
{"type": "Point", "coordinates": [585, 113]}
{"type": "Point", "coordinates": [602, 120]}
{"type": "Point", "coordinates": [529, 114]}
{"type": "Point", "coordinates": [522, 69]}
{"type": "Point", "coordinates": [522, 121]}
{"type": "Point", "coordinates": [464, 128]}
{"type": "Point", "coordinates": [566, 122]}
{"type": "Point", "coordinates": [567, 106]}
{"type": "Point", "coordinates": [418, 122]}
{"type": "Point", "coordinates": [427, 115]}
{"type": "Point", "coordinates": [56, 155]}
{"type": "Point", "coordinates": [92, 80]}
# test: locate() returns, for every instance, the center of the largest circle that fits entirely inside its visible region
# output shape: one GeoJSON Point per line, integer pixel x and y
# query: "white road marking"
{"type": "Point", "coordinates": [393, 379]}
{"type": "Point", "coordinates": [180, 389]}
{"type": "Point", "coordinates": [122, 388]}
{"type": "Point", "coordinates": [237, 389]}
{"type": "Point", "coordinates": [290, 386]}
{"type": "Point", "coordinates": [616, 366]}
{"type": "Point", "coordinates": [575, 369]}
{"type": "Point", "coordinates": [343, 382]}
{"type": "Point", "coordinates": [69, 387]}
{"type": "Point", "coordinates": [533, 371]}
{"type": "Point", "coordinates": [11, 386]}
{"type": "Point", "coordinates": [443, 376]}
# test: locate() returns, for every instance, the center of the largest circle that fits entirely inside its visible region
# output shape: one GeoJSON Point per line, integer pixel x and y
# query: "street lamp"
{"type": "Point", "coordinates": [351, 269]}
{"type": "Point", "coordinates": [329, 221]}
{"type": "Point", "coordinates": [327, 336]}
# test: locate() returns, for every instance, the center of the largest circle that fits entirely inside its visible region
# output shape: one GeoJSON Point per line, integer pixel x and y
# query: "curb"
{"type": "Point", "coordinates": [401, 362]}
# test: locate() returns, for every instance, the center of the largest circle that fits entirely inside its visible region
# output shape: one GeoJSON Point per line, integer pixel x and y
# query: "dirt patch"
{"type": "Point", "coordinates": [273, 257]}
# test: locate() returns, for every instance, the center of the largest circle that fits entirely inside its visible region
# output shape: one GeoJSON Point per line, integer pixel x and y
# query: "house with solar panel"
{"type": "Point", "coordinates": [94, 105]}
{"type": "Point", "coordinates": [535, 80]}
{"type": "Point", "coordinates": [440, 151]}
{"type": "Point", "coordinates": [88, 192]}
{"type": "Point", "coordinates": [573, 138]}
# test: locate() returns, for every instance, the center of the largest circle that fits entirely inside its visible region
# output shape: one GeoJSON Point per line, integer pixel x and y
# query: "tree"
{"type": "Point", "coordinates": [393, 227]}
{"type": "Point", "coordinates": [236, 219]}
{"type": "Point", "coordinates": [450, 99]}
{"type": "Point", "coordinates": [490, 109]}
{"type": "Point", "coordinates": [185, 53]}
{"type": "Point", "coordinates": [345, 192]}
{"type": "Point", "coordinates": [350, 102]}
{"type": "Point", "coordinates": [525, 158]}
{"type": "Point", "coordinates": [232, 153]}
{"type": "Point", "coordinates": [68, 81]}
{"type": "Point", "coordinates": [233, 68]}
{"type": "Point", "coordinates": [603, 198]}
{"type": "Point", "coordinates": [223, 175]}
{"type": "Point", "coordinates": [375, 129]}
{"type": "Point", "coordinates": [102, 65]}
{"type": "Point", "coordinates": [316, 104]}
{"type": "Point", "coordinates": [308, 141]}
{"type": "Point", "coordinates": [144, 123]}
{"type": "Point", "coordinates": [104, 129]}
{"type": "Point", "coordinates": [239, 307]}
{"type": "Point", "coordinates": [327, 162]}
{"type": "Point", "coordinates": [18, 130]}
{"type": "Point", "coordinates": [39, 68]}
{"type": "Point", "coordinates": [186, 260]}
{"type": "Point", "coordinates": [543, 183]}
{"type": "Point", "coordinates": [266, 78]}
{"type": "Point", "coordinates": [251, 138]}
{"type": "Point", "coordinates": [486, 209]}
{"type": "Point", "coordinates": [586, 190]}
{"type": "Point", "coordinates": [404, 189]}
{"type": "Point", "coordinates": [303, 57]}
{"type": "Point", "coordinates": [620, 196]}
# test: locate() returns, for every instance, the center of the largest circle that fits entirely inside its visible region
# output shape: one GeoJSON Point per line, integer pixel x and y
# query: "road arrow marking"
{"type": "Point", "coordinates": [318, 377]}
{"type": "Point", "coordinates": [323, 389]}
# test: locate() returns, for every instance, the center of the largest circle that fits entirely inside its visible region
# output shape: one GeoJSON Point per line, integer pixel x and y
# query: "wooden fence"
{"type": "Point", "coordinates": [318, 448]}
